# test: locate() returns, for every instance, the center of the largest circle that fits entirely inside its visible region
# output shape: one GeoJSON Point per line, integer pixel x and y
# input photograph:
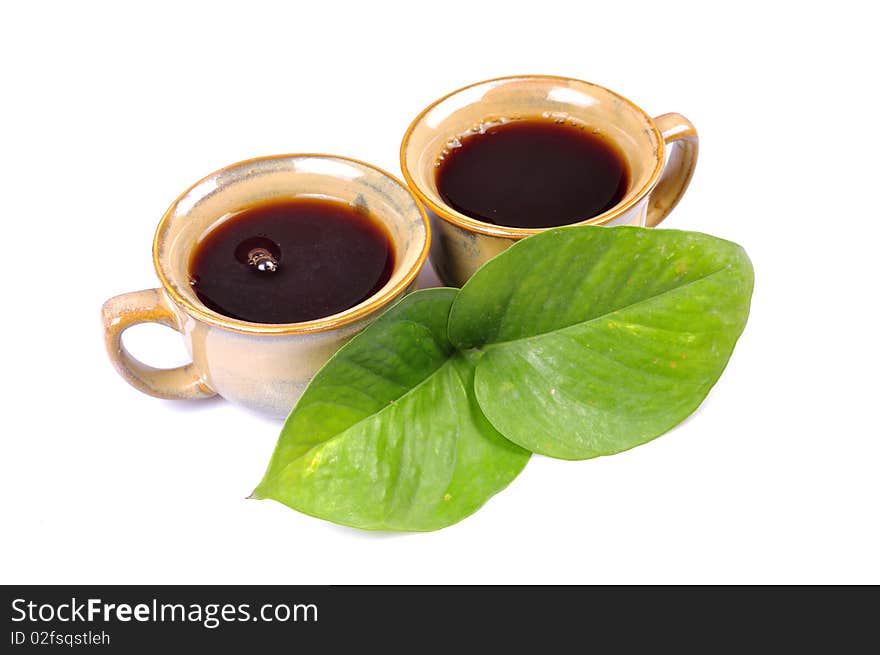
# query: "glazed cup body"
{"type": "Point", "coordinates": [264, 367]}
{"type": "Point", "coordinates": [462, 244]}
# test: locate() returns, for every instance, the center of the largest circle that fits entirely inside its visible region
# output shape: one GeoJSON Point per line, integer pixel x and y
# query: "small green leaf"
{"type": "Point", "coordinates": [595, 340]}
{"type": "Point", "coordinates": [389, 436]}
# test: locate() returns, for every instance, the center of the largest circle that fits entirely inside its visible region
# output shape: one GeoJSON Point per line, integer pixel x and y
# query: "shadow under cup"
{"type": "Point", "coordinates": [264, 367]}
{"type": "Point", "coordinates": [462, 244]}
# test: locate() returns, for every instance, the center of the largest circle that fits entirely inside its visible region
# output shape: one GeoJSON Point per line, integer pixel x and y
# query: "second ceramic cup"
{"type": "Point", "coordinates": [462, 244]}
{"type": "Point", "coordinates": [264, 367]}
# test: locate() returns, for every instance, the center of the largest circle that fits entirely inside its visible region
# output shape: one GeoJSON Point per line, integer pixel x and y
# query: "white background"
{"type": "Point", "coordinates": [108, 112]}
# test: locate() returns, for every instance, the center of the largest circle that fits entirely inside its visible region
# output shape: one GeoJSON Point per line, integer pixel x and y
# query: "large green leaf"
{"type": "Point", "coordinates": [593, 340]}
{"type": "Point", "coordinates": [388, 435]}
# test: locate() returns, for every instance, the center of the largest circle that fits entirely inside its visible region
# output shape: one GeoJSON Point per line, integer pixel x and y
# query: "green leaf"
{"type": "Point", "coordinates": [596, 339]}
{"type": "Point", "coordinates": [388, 435]}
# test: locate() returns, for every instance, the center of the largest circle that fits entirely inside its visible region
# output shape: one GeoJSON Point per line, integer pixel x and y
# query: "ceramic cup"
{"type": "Point", "coordinates": [264, 367]}
{"type": "Point", "coordinates": [660, 152]}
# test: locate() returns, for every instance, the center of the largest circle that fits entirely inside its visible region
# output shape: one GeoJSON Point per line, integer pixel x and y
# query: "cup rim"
{"type": "Point", "coordinates": [505, 231]}
{"type": "Point", "coordinates": [323, 324]}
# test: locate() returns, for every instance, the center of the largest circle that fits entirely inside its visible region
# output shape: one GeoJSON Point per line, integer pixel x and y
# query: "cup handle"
{"type": "Point", "coordinates": [148, 306]}
{"type": "Point", "coordinates": [680, 136]}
